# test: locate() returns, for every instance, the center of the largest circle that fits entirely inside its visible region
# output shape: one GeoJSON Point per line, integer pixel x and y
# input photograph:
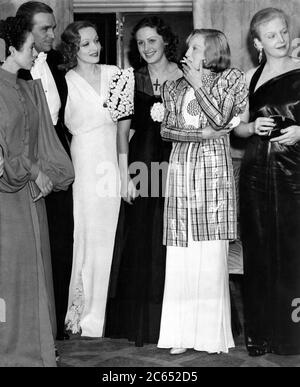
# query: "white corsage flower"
{"type": "Point", "coordinates": [157, 112]}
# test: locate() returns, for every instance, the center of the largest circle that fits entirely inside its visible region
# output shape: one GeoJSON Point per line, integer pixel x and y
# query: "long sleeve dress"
{"type": "Point", "coordinates": [30, 144]}
{"type": "Point", "coordinates": [200, 213]}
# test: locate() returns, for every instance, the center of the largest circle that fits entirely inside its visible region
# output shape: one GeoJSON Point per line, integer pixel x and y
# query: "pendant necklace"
{"type": "Point", "coordinates": [156, 85]}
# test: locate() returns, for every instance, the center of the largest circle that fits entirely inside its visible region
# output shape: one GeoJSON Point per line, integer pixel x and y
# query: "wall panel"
{"type": "Point", "coordinates": [233, 17]}
{"type": "Point", "coordinates": [63, 10]}
{"type": "Point", "coordinates": [132, 5]}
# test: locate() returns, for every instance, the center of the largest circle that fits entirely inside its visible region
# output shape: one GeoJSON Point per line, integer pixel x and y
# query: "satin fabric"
{"type": "Point", "coordinates": [270, 219]}
{"type": "Point", "coordinates": [96, 200]}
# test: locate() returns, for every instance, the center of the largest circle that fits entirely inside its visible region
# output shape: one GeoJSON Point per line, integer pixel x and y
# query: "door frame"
{"type": "Point", "coordinates": [115, 6]}
{"type": "Point", "coordinates": [120, 7]}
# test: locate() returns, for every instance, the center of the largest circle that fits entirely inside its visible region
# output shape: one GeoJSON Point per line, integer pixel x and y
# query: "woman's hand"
{"type": "Point", "coordinates": [262, 126]}
{"type": "Point", "coordinates": [290, 136]}
{"type": "Point", "coordinates": [45, 185]}
{"type": "Point", "coordinates": [128, 190]}
{"type": "Point", "coordinates": [208, 133]}
{"type": "Point", "coordinates": [1, 163]}
{"type": "Point", "coordinates": [191, 74]}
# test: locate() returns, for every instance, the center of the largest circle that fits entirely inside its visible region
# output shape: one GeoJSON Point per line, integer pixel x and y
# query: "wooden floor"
{"type": "Point", "coordinates": [84, 352]}
{"type": "Point", "coordinates": [119, 353]}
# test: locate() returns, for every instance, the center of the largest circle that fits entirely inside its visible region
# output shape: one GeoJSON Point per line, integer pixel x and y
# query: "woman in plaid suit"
{"type": "Point", "coordinates": [200, 206]}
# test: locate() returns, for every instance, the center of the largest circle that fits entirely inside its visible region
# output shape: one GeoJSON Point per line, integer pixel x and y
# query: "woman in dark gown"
{"type": "Point", "coordinates": [138, 268]}
{"type": "Point", "coordinates": [270, 194]}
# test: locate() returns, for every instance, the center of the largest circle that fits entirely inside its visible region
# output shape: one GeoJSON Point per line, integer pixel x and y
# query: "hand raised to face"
{"type": "Point", "coordinates": [192, 74]}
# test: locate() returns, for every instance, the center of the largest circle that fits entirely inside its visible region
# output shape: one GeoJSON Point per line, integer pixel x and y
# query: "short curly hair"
{"type": "Point", "coordinates": [14, 31]}
{"type": "Point", "coordinates": [163, 30]}
{"type": "Point", "coordinates": [70, 42]}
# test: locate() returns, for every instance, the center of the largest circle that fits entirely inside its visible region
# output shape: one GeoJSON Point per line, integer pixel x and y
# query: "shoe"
{"type": "Point", "coordinates": [57, 356]}
{"type": "Point", "coordinates": [177, 351]}
{"type": "Point", "coordinates": [257, 350]}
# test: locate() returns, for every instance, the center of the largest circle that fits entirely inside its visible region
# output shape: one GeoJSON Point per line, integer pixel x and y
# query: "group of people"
{"type": "Point", "coordinates": [151, 267]}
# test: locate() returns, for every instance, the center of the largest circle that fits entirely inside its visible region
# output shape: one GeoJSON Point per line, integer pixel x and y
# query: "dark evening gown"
{"type": "Point", "coordinates": [138, 268]}
{"type": "Point", "coordinates": [270, 216]}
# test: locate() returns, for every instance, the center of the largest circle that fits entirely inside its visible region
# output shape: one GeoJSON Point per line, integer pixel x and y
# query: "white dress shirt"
{"type": "Point", "coordinates": [41, 70]}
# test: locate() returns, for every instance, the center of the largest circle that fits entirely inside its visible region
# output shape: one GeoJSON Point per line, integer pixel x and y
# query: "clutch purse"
{"type": "Point", "coordinates": [281, 122]}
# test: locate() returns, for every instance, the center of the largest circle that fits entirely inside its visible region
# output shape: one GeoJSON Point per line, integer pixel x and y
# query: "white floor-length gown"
{"type": "Point", "coordinates": [96, 200]}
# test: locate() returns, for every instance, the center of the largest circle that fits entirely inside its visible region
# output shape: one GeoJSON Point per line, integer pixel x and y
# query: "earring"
{"type": "Point", "coordinates": [260, 55]}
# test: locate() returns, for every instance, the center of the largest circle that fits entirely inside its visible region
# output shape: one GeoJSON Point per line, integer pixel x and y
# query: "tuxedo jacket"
{"type": "Point", "coordinates": [54, 59]}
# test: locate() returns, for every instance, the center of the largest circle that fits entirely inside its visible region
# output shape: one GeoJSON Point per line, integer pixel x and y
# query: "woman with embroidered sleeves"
{"type": "Point", "coordinates": [34, 164]}
{"type": "Point", "coordinates": [200, 205]}
{"type": "Point", "coordinates": [92, 112]}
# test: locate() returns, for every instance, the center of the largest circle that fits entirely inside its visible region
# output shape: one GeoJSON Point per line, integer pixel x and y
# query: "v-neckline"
{"type": "Point", "coordinates": [152, 85]}
{"type": "Point", "coordinates": [99, 95]}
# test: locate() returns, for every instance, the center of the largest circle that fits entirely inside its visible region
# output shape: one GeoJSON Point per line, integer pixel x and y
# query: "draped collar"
{"type": "Point", "coordinates": [255, 79]}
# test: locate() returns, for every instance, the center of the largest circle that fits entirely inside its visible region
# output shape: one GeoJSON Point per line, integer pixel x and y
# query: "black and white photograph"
{"type": "Point", "coordinates": [149, 186]}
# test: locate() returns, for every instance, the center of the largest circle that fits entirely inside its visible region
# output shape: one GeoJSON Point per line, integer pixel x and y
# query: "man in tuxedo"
{"type": "Point", "coordinates": [59, 204]}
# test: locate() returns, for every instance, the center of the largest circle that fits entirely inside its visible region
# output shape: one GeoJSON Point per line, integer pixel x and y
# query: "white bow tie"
{"type": "Point", "coordinates": [42, 57]}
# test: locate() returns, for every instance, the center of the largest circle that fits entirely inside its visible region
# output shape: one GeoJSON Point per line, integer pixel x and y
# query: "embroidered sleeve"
{"type": "Point", "coordinates": [121, 94]}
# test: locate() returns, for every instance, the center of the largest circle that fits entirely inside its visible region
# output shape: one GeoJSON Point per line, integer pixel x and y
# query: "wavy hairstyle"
{"type": "Point", "coordinates": [14, 31]}
{"type": "Point", "coordinates": [70, 42]}
{"type": "Point", "coordinates": [163, 30]}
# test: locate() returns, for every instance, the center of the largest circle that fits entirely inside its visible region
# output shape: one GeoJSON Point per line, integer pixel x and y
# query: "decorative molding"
{"type": "Point", "coordinates": [101, 6]}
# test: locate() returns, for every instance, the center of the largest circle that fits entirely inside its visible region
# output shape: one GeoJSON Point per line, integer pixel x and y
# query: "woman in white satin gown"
{"type": "Point", "coordinates": [95, 190]}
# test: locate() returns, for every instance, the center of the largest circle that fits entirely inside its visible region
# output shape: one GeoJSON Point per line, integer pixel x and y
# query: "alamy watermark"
{"type": "Point", "coordinates": [2, 311]}
{"type": "Point", "coordinates": [151, 180]}
{"type": "Point", "coordinates": [296, 311]}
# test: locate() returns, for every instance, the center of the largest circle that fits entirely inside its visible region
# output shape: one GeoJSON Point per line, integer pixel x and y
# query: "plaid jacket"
{"type": "Point", "coordinates": [212, 199]}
